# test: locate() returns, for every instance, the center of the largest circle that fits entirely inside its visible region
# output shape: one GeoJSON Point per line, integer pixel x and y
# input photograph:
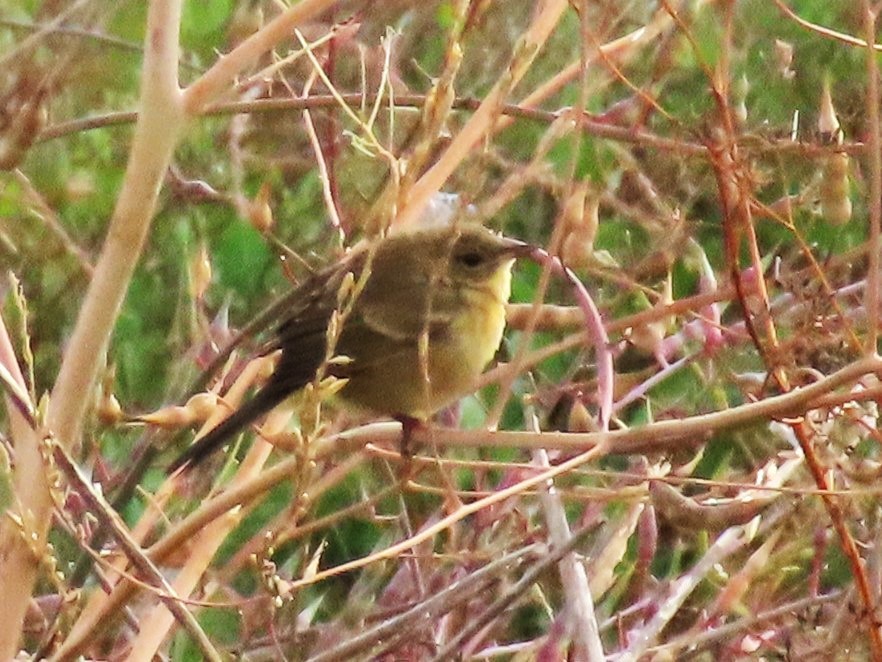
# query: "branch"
{"type": "Point", "coordinates": [155, 137]}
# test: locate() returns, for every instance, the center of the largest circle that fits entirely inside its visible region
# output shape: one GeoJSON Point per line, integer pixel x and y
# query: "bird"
{"type": "Point", "coordinates": [417, 316]}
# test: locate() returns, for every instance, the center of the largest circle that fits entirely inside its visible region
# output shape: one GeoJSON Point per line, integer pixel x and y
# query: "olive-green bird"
{"type": "Point", "coordinates": [427, 318]}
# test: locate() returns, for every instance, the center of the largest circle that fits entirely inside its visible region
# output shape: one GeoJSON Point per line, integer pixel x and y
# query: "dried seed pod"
{"type": "Point", "coordinates": [259, 211]}
{"type": "Point", "coordinates": [784, 58]}
{"type": "Point", "coordinates": [200, 272]}
{"type": "Point", "coordinates": [109, 410]}
{"type": "Point", "coordinates": [835, 188]}
{"type": "Point", "coordinates": [580, 419]}
{"type": "Point", "coordinates": [197, 409]}
{"type": "Point", "coordinates": [580, 216]}
{"type": "Point", "coordinates": [107, 407]}
{"type": "Point", "coordinates": [828, 122]}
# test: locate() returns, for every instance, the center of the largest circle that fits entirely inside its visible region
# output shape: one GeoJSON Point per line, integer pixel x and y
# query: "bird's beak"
{"type": "Point", "coordinates": [516, 248]}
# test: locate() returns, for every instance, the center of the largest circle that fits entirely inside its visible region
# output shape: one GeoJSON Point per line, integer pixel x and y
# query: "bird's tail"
{"type": "Point", "coordinates": [267, 398]}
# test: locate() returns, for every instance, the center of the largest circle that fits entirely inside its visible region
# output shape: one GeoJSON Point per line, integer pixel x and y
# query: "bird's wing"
{"type": "Point", "coordinates": [303, 334]}
{"type": "Point", "coordinates": [401, 305]}
{"type": "Point", "coordinates": [368, 344]}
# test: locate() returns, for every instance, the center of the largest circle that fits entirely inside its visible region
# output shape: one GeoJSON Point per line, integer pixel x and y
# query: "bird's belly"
{"type": "Point", "coordinates": [416, 383]}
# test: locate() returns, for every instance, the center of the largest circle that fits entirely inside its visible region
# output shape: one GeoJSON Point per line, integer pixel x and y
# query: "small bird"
{"type": "Point", "coordinates": [427, 317]}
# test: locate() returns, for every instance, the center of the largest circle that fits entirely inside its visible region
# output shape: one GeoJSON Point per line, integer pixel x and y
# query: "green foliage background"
{"type": "Point", "coordinates": [70, 183]}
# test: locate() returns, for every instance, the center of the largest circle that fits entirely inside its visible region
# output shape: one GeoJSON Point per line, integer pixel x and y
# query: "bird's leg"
{"type": "Point", "coordinates": [408, 425]}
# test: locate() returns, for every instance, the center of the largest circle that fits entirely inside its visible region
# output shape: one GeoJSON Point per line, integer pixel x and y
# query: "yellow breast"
{"type": "Point", "coordinates": [479, 329]}
{"type": "Point", "coordinates": [457, 360]}
{"type": "Point", "coordinates": [418, 382]}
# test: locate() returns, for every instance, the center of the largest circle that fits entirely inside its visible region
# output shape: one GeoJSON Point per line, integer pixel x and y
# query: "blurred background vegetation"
{"type": "Point", "coordinates": [620, 166]}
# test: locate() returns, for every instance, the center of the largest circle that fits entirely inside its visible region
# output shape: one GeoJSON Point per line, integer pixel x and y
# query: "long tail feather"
{"type": "Point", "coordinates": [267, 398]}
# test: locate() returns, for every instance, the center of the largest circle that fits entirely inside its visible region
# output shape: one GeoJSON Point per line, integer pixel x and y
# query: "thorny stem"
{"type": "Point", "coordinates": [738, 222]}
{"type": "Point", "coordinates": [875, 167]}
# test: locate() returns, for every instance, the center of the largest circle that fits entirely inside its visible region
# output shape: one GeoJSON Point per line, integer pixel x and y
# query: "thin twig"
{"type": "Point", "coordinates": [432, 608]}
{"type": "Point", "coordinates": [99, 507]}
{"type": "Point", "coordinates": [503, 602]}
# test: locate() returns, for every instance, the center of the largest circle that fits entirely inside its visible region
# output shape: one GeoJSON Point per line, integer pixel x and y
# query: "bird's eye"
{"type": "Point", "coordinates": [470, 259]}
